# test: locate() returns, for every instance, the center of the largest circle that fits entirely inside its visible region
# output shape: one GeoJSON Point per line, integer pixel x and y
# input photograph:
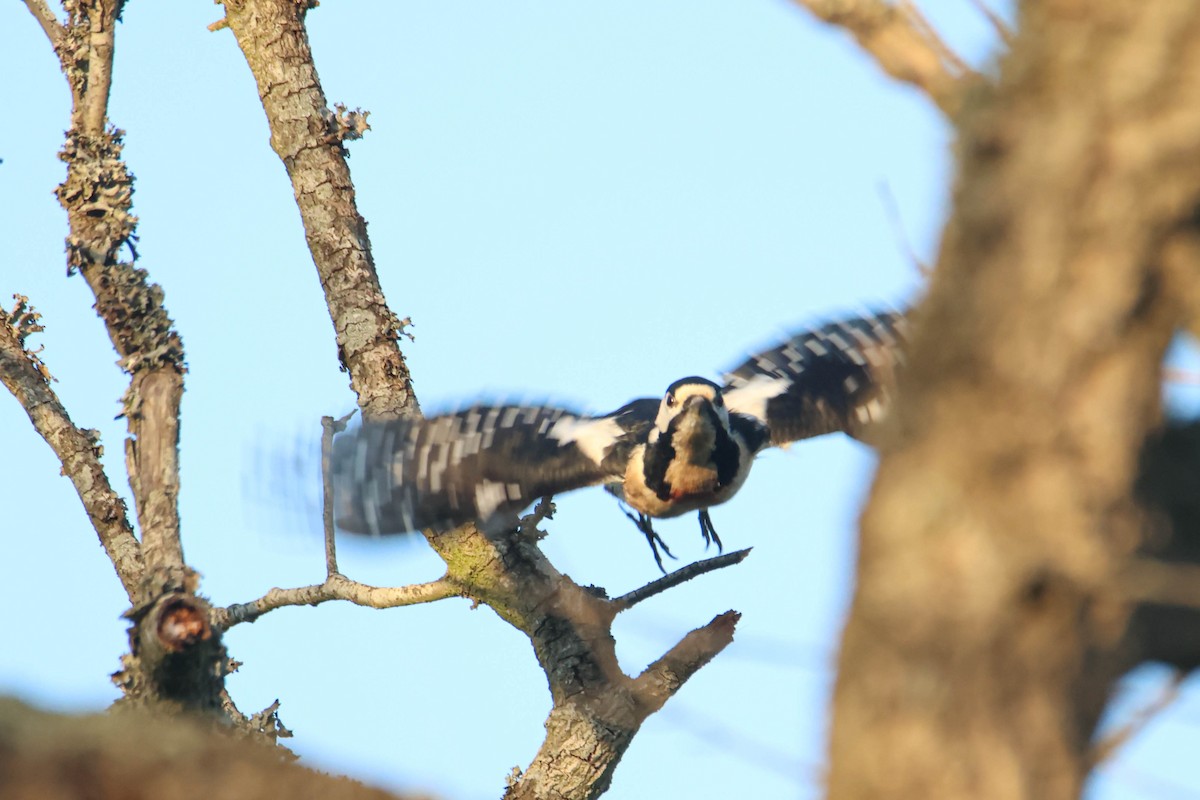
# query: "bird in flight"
{"type": "Point", "coordinates": [663, 457]}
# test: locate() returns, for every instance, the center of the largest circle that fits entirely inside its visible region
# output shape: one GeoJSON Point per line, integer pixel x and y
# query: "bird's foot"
{"type": "Point", "coordinates": [643, 524]}
{"type": "Point", "coordinates": [709, 532]}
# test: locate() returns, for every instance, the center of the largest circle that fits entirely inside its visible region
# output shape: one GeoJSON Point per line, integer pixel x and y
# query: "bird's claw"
{"type": "Point", "coordinates": [643, 524]}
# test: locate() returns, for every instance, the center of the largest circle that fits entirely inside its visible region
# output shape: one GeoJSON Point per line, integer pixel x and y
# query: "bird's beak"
{"type": "Point", "coordinates": [696, 400]}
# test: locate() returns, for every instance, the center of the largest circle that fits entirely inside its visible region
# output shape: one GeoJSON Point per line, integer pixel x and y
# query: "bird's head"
{"type": "Point", "coordinates": [692, 403]}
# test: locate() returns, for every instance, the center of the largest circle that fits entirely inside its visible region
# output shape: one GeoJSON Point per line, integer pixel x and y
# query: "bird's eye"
{"type": "Point", "coordinates": [670, 401]}
{"type": "Point", "coordinates": [718, 401]}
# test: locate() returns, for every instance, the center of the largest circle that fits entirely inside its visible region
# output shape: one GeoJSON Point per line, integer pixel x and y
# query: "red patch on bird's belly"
{"type": "Point", "coordinates": [690, 482]}
{"type": "Point", "coordinates": [686, 492]}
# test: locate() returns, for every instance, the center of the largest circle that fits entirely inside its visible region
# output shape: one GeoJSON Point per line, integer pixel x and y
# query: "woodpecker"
{"type": "Point", "coordinates": [687, 451]}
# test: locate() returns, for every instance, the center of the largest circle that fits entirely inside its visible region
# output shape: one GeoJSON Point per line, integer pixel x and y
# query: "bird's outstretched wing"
{"type": "Point", "coordinates": [483, 464]}
{"type": "Point", "coordinates": [833, 378]}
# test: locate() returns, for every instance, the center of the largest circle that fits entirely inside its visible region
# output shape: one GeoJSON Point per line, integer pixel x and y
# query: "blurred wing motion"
{"type": "Point", "coordinates": [688, 451]}
{"type": "Point", "coordinates": [834, 378]}
{"type": "Point", "coordinates": [483, 463]}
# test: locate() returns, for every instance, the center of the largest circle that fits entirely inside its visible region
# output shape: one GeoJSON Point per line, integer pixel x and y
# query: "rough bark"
{"type": "Point", "coordinates": [988, 624]}
{"type": "Point", "coordinates": [98, 198]}
{"type": "Point", "coordinates": [903, 44]}
{"type": "Point", "coordinates": [176, 660]}
{"type": "Point", "coordinates": [597, 708]}
{"type": "Point", "coordinates": [307, 136]}
{"type": "Point", "coordinates": [130, 756]}
{"type": "Point", "coordinates": [79, 450]}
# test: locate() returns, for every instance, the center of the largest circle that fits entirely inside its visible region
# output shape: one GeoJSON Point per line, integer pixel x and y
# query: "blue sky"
{"type": "Point", "coordinates": [579, 202]}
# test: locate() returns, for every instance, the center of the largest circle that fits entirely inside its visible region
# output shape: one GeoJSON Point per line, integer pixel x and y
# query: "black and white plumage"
{"type": "Point", "coordinates": [688, 451]}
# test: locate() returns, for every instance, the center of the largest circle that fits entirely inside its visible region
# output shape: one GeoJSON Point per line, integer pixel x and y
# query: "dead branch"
{"type": "Point", "coordinates": [665, 676]}
{"type": "Point", "coordinates": [681, 575]}
{"type": "Point", "coordinates": [904, 45]}
{"type": "Point", "coordinates": [329, 427]}
{"type": "Point", "coordinates": [336, 587]}
{"type": "Point", "coordinates": [79, 452]}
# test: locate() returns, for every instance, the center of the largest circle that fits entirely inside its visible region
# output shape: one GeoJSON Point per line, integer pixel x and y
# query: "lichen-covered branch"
{"type": "Point", "coordinates": [176, 660]}
{"type": "Point", "coordinates": [97, 196]}
{"type": "Point", "coordinates": [307, 136]}
{"type": "Point", "coordinates": [79, 450]}
{"type": "Point", "coordinates": [597, 707]}
{"type": "Point", "coordinates": [904, 45]}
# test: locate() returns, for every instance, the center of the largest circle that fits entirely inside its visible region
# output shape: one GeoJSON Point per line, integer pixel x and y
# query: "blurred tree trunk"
{"type": "Point", "coordinates": [995, 606]}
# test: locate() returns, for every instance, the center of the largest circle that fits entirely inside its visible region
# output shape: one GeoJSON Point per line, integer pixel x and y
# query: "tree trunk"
{"type": "Point", "coordinates": [989, 621]}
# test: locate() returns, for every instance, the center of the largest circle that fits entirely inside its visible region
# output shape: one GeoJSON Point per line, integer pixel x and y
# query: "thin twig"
{"type": "Point", "coordinates": [329, 427]}
{"type": "Point", "coordinates": [929, 33]}
{"type": "Point", "coordinates": [1149, 580]}
{"type": "Point", "coordinates": [46, 18]}
{"type": "Point", "coordinates": [679, 576]}
{"type": "Point", "coordinates": [1006, 34]}
{"type": "Point", "coordinates": [892, 211]}
{"type": "Point", "coordinates": [336, 587]}
{"type": "Point", "coordinates": [79, 452]}
{"type": "Point", "coordinates": [903, 44]}
{"type": "Point", "coordinates": [1109, 745]}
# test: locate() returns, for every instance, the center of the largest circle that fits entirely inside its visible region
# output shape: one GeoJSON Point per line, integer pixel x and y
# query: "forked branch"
{"type": "Point", "coordinates": [596, 707]}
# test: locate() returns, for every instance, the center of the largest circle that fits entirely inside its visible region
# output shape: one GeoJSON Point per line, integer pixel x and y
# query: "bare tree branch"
{"type": "Point", "coordinates": [307, 136]}
{"type": "Point", "coordinates": [662, 679]}
{"type": "Point", "coordinates": [46, 18]}
{"type": "Point", "coordinates": [595, 712]}
{"type": "Point", "coordinates": [78, 450]}
{"type": "Point", "coordinates": [904, 45]}
{"type": "Point", "coordinates": [97, 196]}
{"type": "Point", "coordinates": [681, 575]}
{"type": "Point", "coordinates": [892, 211]}
{"type": "Point", "coordinates": [929, 34]}
{"type": "Point", "coordinates": [329, 427]}
{"type": "Point", "coordinates": [1150, 580]}
{"type": "Point", "coordinates": [1001, 27]}
{"type": "Point", "coordinates": [101, 18]}
{"type": "Point", "coordinates": [336, 587]}
{"type": "Point", "coordinates": [1108, 746]}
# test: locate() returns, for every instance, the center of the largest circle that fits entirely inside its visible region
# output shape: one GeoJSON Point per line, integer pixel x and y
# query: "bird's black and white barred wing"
{"type": "Point", "coordinates": [836, 377]}
{"type": "Point", "coordinates": [483, 463]}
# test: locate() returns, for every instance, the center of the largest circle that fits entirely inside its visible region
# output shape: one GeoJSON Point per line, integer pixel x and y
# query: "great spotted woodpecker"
{"type": "Point", "coordinates": [689, 451]}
